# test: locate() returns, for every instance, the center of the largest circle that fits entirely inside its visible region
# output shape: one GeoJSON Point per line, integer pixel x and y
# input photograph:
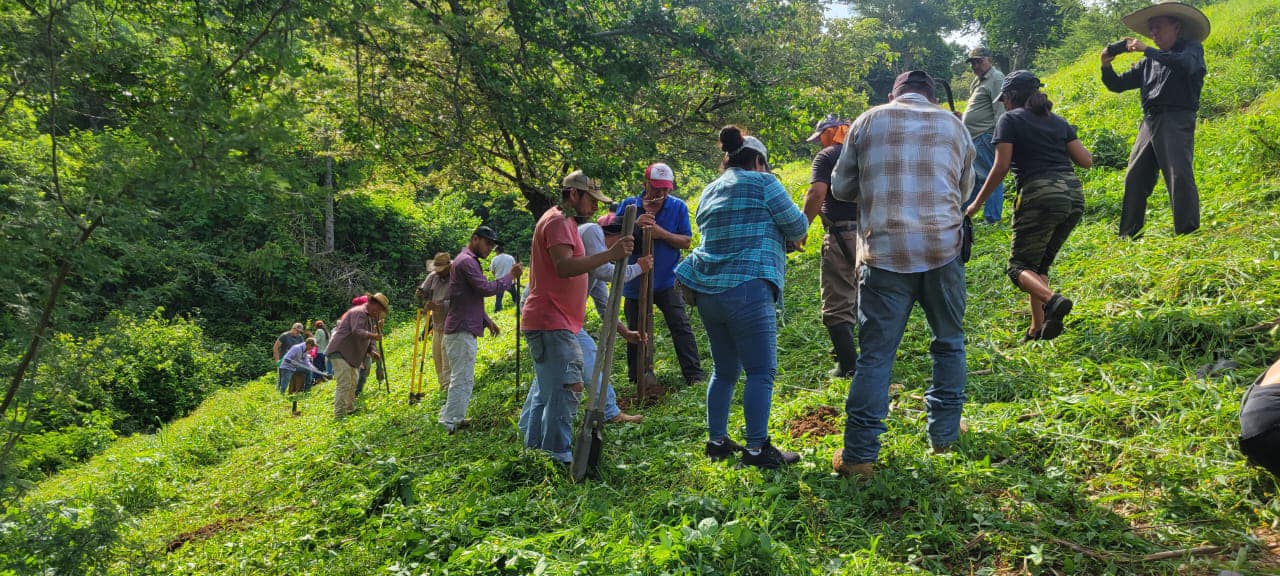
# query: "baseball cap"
{"type": "Point", "coordinates": [1018, 81]}
{"type": "Point", "coordinates": [660, 175]}
{"type": "Point", "coordinates": [579, 181]}
{"type": "Point", "coordinates": [914, 78]}
{"type": "Point", "coordinates": [979, 52]}
{"type": "Point", "coordinates": [753, 143]}
{"type": "Point", "coordinates": [487, 233]}
{"type": "Point", "coordinates": [831, 121]}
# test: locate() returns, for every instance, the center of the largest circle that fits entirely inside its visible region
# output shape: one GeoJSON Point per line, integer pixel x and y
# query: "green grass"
{"type": "Point", "coordinates": [1083, 453]}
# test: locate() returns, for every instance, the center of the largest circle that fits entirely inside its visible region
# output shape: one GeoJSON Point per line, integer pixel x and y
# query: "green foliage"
{"type": "Point", "coordinates": [131, 376]}
{"type": "Point", "coordinates": [1019, 29]}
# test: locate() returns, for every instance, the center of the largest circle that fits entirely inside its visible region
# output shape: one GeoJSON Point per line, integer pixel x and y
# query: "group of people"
{"type": "Point", "coordinates": [893, 189]}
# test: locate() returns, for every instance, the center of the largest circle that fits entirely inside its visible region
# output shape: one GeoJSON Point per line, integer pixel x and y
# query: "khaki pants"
{"type": "Point", "coordinates": [839, 283]}
{"type": "Point", "coordinates": [344, 394]}
{"type": "Point", "coordinates": [461, 349]}
{"type": "Point", "coordinates": [438, 357]}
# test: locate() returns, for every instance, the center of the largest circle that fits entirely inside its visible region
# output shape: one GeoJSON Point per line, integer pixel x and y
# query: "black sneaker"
{"type": "Point", "coordinates": [718, 452]}
{"type": "Point", "coordinates": [769, 457]}
{"type": "Point", "coordinates": [1055, 310]}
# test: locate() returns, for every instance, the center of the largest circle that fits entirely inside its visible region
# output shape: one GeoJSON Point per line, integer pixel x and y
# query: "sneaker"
{"type": "Point", "coordinates": [864, 470]}
{"type": "Point", "coordinates": [1055, 310]}
{"type": "Point", "coordinates": [624, 418]}
{"type": "Point", "coordinates": [769, 457]}
{"type": "Point", "coordinates": [725, 449]}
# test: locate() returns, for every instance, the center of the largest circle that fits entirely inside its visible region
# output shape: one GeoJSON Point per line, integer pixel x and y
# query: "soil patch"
{"type": "Point", "coordinates": [819, 421]}
{"type": "Point", "coordinates": [207, 531]}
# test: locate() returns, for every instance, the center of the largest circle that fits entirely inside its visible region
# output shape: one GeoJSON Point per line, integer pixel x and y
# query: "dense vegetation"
{"type": "Point", "coordinates": [1085, 455]}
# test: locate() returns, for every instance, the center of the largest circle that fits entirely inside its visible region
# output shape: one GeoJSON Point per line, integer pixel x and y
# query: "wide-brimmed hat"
{"type": "Point", "coordinates": [441, 261]}
{"type": "Point", "coordinates": [579, 181]}
{"type": "Point", "coordinates": [1195, 25]}
{"type": "Point", "coordinates": [381, 299]}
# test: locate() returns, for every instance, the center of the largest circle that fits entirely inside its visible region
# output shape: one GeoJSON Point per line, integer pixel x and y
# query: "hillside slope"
{"type": "Point", "coordinates": [1084, 454]}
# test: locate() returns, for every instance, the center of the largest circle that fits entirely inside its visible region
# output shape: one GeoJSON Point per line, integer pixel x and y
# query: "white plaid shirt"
{"type": "Point", "coordinates": [908, 164]}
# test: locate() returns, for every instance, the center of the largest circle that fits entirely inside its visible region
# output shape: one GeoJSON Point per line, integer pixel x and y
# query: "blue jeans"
{"type": "Point", "coordinates": [283, 376]}
{"type": "Point", "coordinates": [742, 328]}
{"type": "Point", "coordinates": [992, 209]}
{"type": "Point", "coordinates": [532, 413]}
{"type": "Point", "coordinates": [885, 300]}
{"type": "Point", "coordinates": [557, 364]}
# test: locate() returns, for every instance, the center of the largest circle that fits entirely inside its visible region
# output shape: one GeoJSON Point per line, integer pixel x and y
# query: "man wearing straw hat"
{"type": "Point", "coordinates": [1169, 78]}
{"type": "Point", "coordinates": [351, 341]}
{"type": "Point", "coordinates": [435, 300]}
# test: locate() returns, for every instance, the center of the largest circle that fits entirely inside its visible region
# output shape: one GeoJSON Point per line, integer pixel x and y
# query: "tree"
{"type": "Point", "coordinates": [1020, 29]}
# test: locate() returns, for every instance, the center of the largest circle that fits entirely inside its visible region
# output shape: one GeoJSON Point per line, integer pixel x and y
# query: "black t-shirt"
{"type": "Point", "coordinates": [823, 164]}
{"type": "Point", "coordinates": [1260, 411]}
{"type": "Point", "coordinates": [1039, 142]}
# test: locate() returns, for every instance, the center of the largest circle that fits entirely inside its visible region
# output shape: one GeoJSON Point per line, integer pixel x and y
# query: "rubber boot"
{"type": "Point", "coordinates": [846, 349]}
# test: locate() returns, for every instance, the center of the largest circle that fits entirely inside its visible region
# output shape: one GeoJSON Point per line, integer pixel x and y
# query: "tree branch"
{"type": "Point", "coordinates": [253, 43]}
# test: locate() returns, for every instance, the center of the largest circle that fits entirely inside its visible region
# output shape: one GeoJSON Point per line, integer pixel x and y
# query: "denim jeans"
{"type": "Point", "coordinates": [986, 157]}
{"type": "Point", "coordinates": [531, 414]}
{"type": "Point", "coordinates": [283, 375]}
{"type": "Point", "coordinates": [742, 329]}
{"type": "Point", "coordinates": [547, 418]}
{"type": "Point", "coordinates": [885, 302]}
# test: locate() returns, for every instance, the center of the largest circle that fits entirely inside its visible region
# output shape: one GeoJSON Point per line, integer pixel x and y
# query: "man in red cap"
{"type": "Point", "coordinates": [668, 218]}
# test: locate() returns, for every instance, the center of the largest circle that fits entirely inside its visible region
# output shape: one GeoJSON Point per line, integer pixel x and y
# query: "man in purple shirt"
{"type": "Point", "coordinates": [467, 320]}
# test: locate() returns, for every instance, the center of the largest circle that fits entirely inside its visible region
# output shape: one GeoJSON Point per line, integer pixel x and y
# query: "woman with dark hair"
{"type": "Point", "coordinates": [1260, 421]}
{"type": "Point", "coordinates": [1041, 147]}
{"type": "Point", "coordinates": [736, 275]}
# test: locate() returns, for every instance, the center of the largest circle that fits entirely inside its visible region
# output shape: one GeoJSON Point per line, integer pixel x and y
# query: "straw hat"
{"type": "Point", "coordinates": [440, 262]}
{"type": "Point", "coordinates": [1195, 25]}
{"type": "Point", "coordinates": [381, 299]}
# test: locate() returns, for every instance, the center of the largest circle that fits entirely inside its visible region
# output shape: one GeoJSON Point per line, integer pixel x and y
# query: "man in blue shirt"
{"type": "Point", "coordinates": [668, 218]}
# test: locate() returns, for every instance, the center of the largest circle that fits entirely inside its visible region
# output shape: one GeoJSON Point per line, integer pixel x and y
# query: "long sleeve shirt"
{"type": "Point", "coordinates": [467, 290]}
{"type": "Point", "coordinates": [909, 165]}
{"type": "Point", "coordinates": [1169, 80]}
{"type": "Point", "coordinates": [598, 279]}
{"type": "Point", "coordinates": [745, 219]}
{"type": "Point", "coordinates": [296, 360]}
{"type": "Point", "coordinates": [352, 338]}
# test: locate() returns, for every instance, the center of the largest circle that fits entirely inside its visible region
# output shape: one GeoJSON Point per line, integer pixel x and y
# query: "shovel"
{"type": "Point", "coordinates": [586, 450]}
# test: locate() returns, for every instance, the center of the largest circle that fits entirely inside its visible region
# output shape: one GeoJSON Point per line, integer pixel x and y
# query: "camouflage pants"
{"type": "Point", "coordinates": [1048, 208]}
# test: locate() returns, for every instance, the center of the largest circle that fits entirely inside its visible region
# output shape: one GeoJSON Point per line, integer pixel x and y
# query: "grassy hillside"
{"type": "Point", "coordinates": [1084, 454]}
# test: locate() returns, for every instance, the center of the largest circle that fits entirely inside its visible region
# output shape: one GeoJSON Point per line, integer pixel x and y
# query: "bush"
{"type": "Point", "coordinates": [1109, 148]}
{"type": "Point", "coordinates": [132, 376]}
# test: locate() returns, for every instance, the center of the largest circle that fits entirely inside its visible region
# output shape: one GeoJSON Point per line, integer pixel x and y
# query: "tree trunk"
{"type": "Point", "coordinates": [329, 194]}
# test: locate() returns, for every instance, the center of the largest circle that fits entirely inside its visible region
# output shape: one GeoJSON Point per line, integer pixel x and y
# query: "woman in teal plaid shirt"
{"type": "Point", "coordinates": [736, 275]}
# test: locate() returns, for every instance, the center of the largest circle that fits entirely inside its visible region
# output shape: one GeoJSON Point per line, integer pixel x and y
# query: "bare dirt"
{"type": "Point", "coordinates": [819, 421]}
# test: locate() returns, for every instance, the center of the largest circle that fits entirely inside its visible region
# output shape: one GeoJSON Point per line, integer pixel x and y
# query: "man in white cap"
{"type": "Point", "coordinates": [1169, 77]}
{"type": "Point", "coordinates": [980, 116]}
{"type": "Point", "coordinates": [668, 218]}
{"type": "Point", "coordinates": [555, 310]}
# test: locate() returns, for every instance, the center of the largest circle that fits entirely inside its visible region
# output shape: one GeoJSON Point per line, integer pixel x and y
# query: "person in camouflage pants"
{"type": "Point", "coordinates": [1041, 148]}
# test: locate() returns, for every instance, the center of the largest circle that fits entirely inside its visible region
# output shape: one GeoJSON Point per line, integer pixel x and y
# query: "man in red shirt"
{"type": "Point", "coordinates": [556, 307]}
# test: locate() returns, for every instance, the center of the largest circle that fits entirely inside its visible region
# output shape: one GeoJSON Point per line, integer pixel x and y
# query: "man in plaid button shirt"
{"type": "Point", "coordinates": [909, 165]}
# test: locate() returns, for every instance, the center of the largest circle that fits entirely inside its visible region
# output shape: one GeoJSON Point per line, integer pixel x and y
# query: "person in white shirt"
{"type": "Point", "coordinates": [500, 266]}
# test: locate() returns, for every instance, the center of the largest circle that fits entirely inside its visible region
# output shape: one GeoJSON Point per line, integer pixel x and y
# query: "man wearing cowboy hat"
{"type": "Point", "coordinates": [435, 300]}
{"type": "Point", "coordinates": [351, 341]}
{"type": "Point", "coordinates": [1169, 76]}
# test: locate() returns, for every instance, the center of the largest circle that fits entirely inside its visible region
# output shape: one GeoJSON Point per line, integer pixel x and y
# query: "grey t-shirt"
{"type": "Point", "coordinates": [982, 111]}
